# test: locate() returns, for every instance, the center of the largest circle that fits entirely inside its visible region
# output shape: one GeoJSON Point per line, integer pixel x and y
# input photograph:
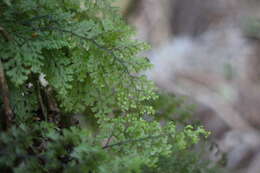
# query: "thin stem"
{"type": "Point", "coordinates": [134, 140]}
{"type": "Point", "coordinates": [5, 98]}
{"type": "Point", "coordinates": [43, 108]}
{"type": "Point", "coordinates": [4, 87]}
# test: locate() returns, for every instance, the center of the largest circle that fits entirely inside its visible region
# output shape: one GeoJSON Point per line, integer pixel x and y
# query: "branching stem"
{"type": "Point", "coordinates": [134, 140]}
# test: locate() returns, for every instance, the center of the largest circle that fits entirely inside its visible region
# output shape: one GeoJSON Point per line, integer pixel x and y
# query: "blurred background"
{"type": "Point", "coordinates": [209, 53]}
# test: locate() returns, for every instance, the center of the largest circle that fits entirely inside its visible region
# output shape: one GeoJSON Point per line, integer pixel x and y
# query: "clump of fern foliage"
{"type": "Point", "coordinates": [72, 95]}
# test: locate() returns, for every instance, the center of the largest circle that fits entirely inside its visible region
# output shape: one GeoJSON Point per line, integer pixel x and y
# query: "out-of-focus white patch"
{"type": "Point", "coordinates": [165, 59]}
{"type": "Point", "coordinates": [30, 85]}
{"type": "Point", "coordinates": [211, 53]}
{"type": "Point", "coordinates": [42, 80]}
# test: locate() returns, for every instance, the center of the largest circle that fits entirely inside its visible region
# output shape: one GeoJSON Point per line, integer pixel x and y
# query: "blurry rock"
{"type": "Point", "coordinates": [193, 17]}
{"type": "Point", "coordinates": [151, 19]}
{"type": "Point", "coordinates": [157, 21]}
{"type": "Point", "coordinates": [211, 121]}
{"type": "Point", "coordinates": [241, 146]}
{"type": "Point", "coordinates": [207, 69]}
{"type": "Point", "coordinates": [254, 167]}
{"type": "Point", "coordinates": [248, 104]}
{"type": "Point", "coordinates": [201, 51]}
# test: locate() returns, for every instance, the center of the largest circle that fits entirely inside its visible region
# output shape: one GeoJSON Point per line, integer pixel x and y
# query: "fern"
{"type": "Point", "coordinates": [85, 54]}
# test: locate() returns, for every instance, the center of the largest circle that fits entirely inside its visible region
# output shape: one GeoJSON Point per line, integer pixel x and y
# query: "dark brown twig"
{"type": "Point", "coordinates": [4, 88]}
{"type": "Point", "coordinates": [4, 34]}
{"type": "Point", "coordinates": [108, 140]}
{"type": "Point", "coordinates": [43, 108]}
{"type": "Point", "coordinates": [5, 98]}
{"type": "Point", "coordinates": [54, 115]}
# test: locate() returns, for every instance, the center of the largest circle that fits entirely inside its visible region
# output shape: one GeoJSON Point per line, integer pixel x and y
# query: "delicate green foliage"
{"type": "Point", "coordinates": [184, 161]}
{"type": "Point", "coordinates": [170, 107]}
{"type": "Point", "coordinates": [72, 56]}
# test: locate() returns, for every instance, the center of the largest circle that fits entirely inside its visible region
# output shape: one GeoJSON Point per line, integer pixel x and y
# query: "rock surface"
{"type": "Point", "coordinates": [201, 50]}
